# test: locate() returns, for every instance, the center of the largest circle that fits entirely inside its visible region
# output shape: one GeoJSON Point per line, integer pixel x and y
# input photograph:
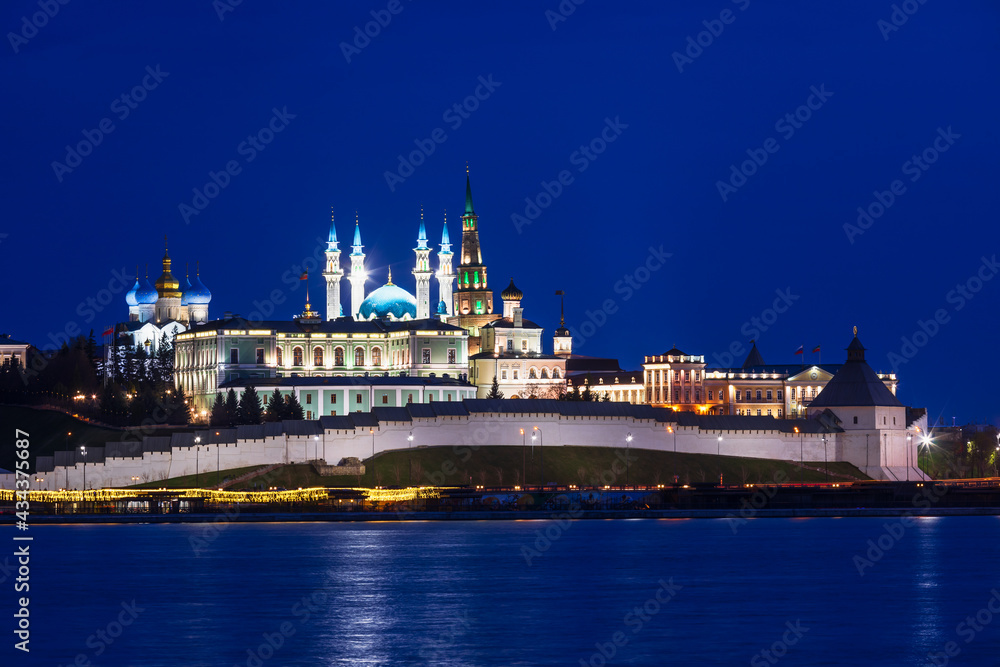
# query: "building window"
{"type": "Point", "coordinates": [545, 374]}
{"type": "Point", "coordinates": [338, 356]}
{"type": "Point", "coordinates": [555, 373]}
{"type": "Point", "coordinates": [309, 414]}
{"type": "Point", "coordinates": [697, 395]}
{"type": "Point", "coordinates": [425, 355]}
{"type": "Point", "coordinates": [357, 399]}
{"type": "Point", "coordinates": [297, 356]}
{"type": "Point", "coordinates": [234, 356]}
{"type": "Point", "coordinates": [687, 395]}
{"type": "Point", "coordinates": [503, 374]}
{"type": "Point", "coordinates": [409, 398]}
{"type": "Point", "coordinates": [769, 394]}
{"type": "Point", "coordinates": [317, 356]}
{"type": "Point", "coordinates": [385, 400]}
{"type": "Point", "coordinates": [524, 345]}
{"type": "Point", "coordinates": [309, 399]}
{"type": "Point", "coordinates": [333, 399]}
{"type": "Point", "coordinates": [277, 355]}
{"type": "Point", "coordinates": [479, 307]}
{"type": "Point", "coordinates": [769, 412]}
{"type": "Point", "coordinates": [781, 395]}
{"type": "Point", "coordinates": [779, 413]}
{"type": "Point", "coordinates": [532, 376]}
{"type": "Point", "coordinates": [510, 344]}
{"type": "Point", "coordinates": [515, 373]}
{"type": "Point", "coordinates": [260, 355]}
{"type": "Point", "coordinates": [376, 356]}
{"type": "Point", "coordinates": [452, 355]}
{"type": "Point", "coordinates": [359, 356]}
{"type": "Point", "coordinates": [697, 376]}
{"type": "Point", "coordinates": [710, 394]}
{"type": "Point", "coordinates": [758, 412]}
{"type": "Point", "coordinates": [855, 419]}
{"type": "Point", "coordinates": [757, 394]}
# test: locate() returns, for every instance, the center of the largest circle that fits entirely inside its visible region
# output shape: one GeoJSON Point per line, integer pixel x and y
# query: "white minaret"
{"type": "Point", "coordinates": [357, 276]}
{"type": "Point", "coordinates": [333, 274]}
{"type": "Point", "coordinates": [422, 272]}
{"type": "Point", "coordinates": [445, 275]}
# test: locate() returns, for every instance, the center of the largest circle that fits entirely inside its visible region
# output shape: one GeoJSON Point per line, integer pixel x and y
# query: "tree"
{"type": "Point", "coordinates": [275, 407]}
{"type": "Point", "coordinates": [249, 410]}
{"type": "Point", "coordinates": [179, 411]}
{"type": "Point", "coordinates": [495, 389]}
{"type": "Point", "coordinates": [218, 417]}
{"type": "Point", "coordinates": [586, 395]}
{"type": "Point", "coordinates": [293, 408]}
{"type": "Point", "coordinates": [232, 408]}
{"type": "Point", "coordinates": [164, 360]}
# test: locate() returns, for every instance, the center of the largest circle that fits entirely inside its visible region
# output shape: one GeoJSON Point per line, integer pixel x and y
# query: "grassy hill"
{"type": "Point", "coordinates": [47, 432]}
{"type": "Point", "coordinates": [496, 466]}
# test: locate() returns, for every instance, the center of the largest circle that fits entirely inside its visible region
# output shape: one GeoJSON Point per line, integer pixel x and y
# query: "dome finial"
{"type": "Point", "coordinates": [390, 276]}
{"type": "Point", "coordinates": [855, 331]}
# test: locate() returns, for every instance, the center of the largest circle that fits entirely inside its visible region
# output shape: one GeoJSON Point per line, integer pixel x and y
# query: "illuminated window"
{"type": "Point", "coordinates": [409, 398]}
{"type": "Point", "coordinates": [758, 412]}
{"type": "Point", "coordinates": [376, 356]}
{"type": "Point", "coordinates": [338, 356]}
{"type": "Point", "coordinates": [385, 400]}
{"type": "Point", "coordinates": [318, 356]}
{"type": "Point", "coordinates": [737, 394]}
{"type": "Point", "coordinates": [277, 353]}
{"type": "Point", "coordinates": [479, 307]}
{"type": "Point", "coordinates": [510, 344]}
{"type": "Point", "coordinates": [779, 413]}
{"type": "Point", "coordinates": [475, 277]}
{"type": "Point", "coordinates": [357, 398]}
{"type": "Point", "coordinates": [333, 399]}
{"type": "Point", "coordinates": [297, 356]}
{"type": "Point", "coordinates": [466, 277]}
{"type": "Point", "coordinates": [532, 376]}
{"type": "Point", "coordinates": [425, 355]}
{"type": "Point", "coordinates": [515, 373]}
{"type": "Point", "coordinates": [309, 399]}
{"type": "Point", "coordinates": [555, 373]}
{"type": "Point", "coordinates": [545, 374]}
{"type": "Point", "coordinates": [524, 345]}
{"type": "Point", "coordinates": [769, 412]}
{"type": "Point", "coordinates": [359, 356]}
{"type": "Point", "coordinates": [503, 376]}
{"type": "Point", "coordinates": [452, 355]}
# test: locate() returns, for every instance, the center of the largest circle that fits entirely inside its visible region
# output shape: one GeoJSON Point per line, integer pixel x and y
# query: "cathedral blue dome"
{"type": "Point", "coordinates": [146, 294]}
{"type": "Point", "coordinates": [442, 308]}
{"type": "Point", "coordinates": [130, 295]}
{"type": "Point", "coordinates": [389, 300]}
{"type": "Point", "coordinates": [185, 290]}
{"type": "Point", "coordinates": [198, 295]}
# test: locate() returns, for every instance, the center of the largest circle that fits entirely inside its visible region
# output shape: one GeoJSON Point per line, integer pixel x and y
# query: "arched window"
{"type": "Point", "coordinates": [338, 356]}
{"type": "Point", "coordinates": [277, 355]}
{"type": "Point", "coordinates": [359, 356]}
{"type": "Point", "coordinates": [531, 374]}
{"type": "Point", "coordinates": [297, 356]}
{"type": "Point", "coordinates": [545, 374]}
{"type": "Point", "coordinates": [317, 356]}
{"type": "Point", "coordinates": [376, 356]}
{"type": "Point", "coordinates": [555, 373]}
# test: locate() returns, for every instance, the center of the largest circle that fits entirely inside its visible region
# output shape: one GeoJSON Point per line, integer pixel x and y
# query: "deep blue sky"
{"type": "Point", "coordinates": [656, 185]}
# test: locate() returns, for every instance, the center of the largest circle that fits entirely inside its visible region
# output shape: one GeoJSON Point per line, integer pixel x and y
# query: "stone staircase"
{"type": "Point", "coordinates": [250, 475]}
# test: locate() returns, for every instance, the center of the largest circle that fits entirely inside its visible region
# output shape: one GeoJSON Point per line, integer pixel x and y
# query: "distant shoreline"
{"type": "Point", "coordinates": [582, 515]}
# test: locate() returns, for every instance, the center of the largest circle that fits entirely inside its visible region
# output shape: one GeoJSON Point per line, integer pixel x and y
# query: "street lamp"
{"type": "Point", "coordinates": [83, 453]}
{"type": "Point", "coordinates": [315, 447]}
{"type": "Point", "coordinates": [524, 461]}
{"type": "Point", "coordinates": [826, 464]}
{"type": "Point", "coordinates": [197, 443]}
{"type": "Point", "coordinates": [628, 439]}
{"type": "Point", "coordinates": [39, 480]}
{"type": "Point", "coordinates": [718, 449]}
{"type": "Point", "coordinates": [541, 453]}
{"type": "Point", "coordinates": [802, 467]}
{"type": "Point", "coordinates": [671, 430]}
{"type": "Point", "coordinates": [409, 456]}
{"type": "Point", "coordinates": [909, 440]}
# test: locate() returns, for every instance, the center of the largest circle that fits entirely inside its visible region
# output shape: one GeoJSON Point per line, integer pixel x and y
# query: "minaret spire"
{"type": "Point", "coordinates": [469, 209]}
{"type": "Point", "coordinates": [445, 275]}
{"type": "Point", "coordinates": [333, 273]}
{"type": "Point", "coordinates": [422, 271]}
{"type": "Point", "coordinates": [358, 275]}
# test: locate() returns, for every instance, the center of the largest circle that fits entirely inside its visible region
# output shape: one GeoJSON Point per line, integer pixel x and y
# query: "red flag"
{"type": "Point", "coordinates": [800, 350]}
{"type": "Point", "coordinates": [304, 276]}
{"type": "Point", "coordinates": [109, 331]}
{"type": "Point", "coordinates": [816, 349]}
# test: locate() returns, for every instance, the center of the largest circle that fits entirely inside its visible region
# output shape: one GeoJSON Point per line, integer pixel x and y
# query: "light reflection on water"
{"type": "Point", "coordinates": [462, 593]}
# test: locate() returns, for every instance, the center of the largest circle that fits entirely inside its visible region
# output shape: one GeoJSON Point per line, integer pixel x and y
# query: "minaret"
{"type": "Point", "coordinates": [445, 276]}
{"type": "Point", "coordinates": [333, 274]}
{"type": "Point", "coordinates": [357, 276]}
{"type": "Point", "coordinates": [422, 272]}
{"type": "Point", "coordinates": [562, 341]}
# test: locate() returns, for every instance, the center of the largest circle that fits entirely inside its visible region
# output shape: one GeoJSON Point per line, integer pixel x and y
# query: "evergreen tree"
{"type": "Point", "coordinates": [179, 411]}
{"type": "Point", "coordinates": [275, 407]}
{"type": "Point", "coordinates": [232, 408]}
{"type": "Point", "coordinates": [165, 361]}
{"type": "Point", "coordinates": [91, 350]}
{"type": "Point", "coordinates": [218, 416]}
{"type": "Point", "coordinates": [249, 409]}
{"type": "Point", "coordinates": [586, 395]}
{"type": "Point", "coordinates": [495, 389]}
{"type": "Point", "coordinates": [294, 409]}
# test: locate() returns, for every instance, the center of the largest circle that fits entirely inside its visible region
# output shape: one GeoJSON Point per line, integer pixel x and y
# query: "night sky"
{"type": "Point", "coordinates": [552, 91]}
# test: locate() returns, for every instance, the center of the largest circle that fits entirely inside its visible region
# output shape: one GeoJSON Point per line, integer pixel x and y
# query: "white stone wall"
{"type": "Point", "coordinates": [887, 447]}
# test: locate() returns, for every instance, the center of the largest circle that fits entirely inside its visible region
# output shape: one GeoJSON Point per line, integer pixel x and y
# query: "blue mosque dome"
{"type": "Point", "coordinates": [146, 294]}
{"type": "Point", "coordinates": [198, 294]}
{"type": "Point", "coordinates": [130, 295]}
{"type": "Point", "coordinates": [389, 301]}
{"type": "Point", "coordinates": [442, 308]}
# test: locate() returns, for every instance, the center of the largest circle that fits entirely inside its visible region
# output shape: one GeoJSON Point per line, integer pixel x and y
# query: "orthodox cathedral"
{"type": "Point", "coordinates": [163, 309]}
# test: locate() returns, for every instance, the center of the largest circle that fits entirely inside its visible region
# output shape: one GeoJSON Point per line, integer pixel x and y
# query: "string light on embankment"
{"type": "Point", "coordinates": [316, 494]}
